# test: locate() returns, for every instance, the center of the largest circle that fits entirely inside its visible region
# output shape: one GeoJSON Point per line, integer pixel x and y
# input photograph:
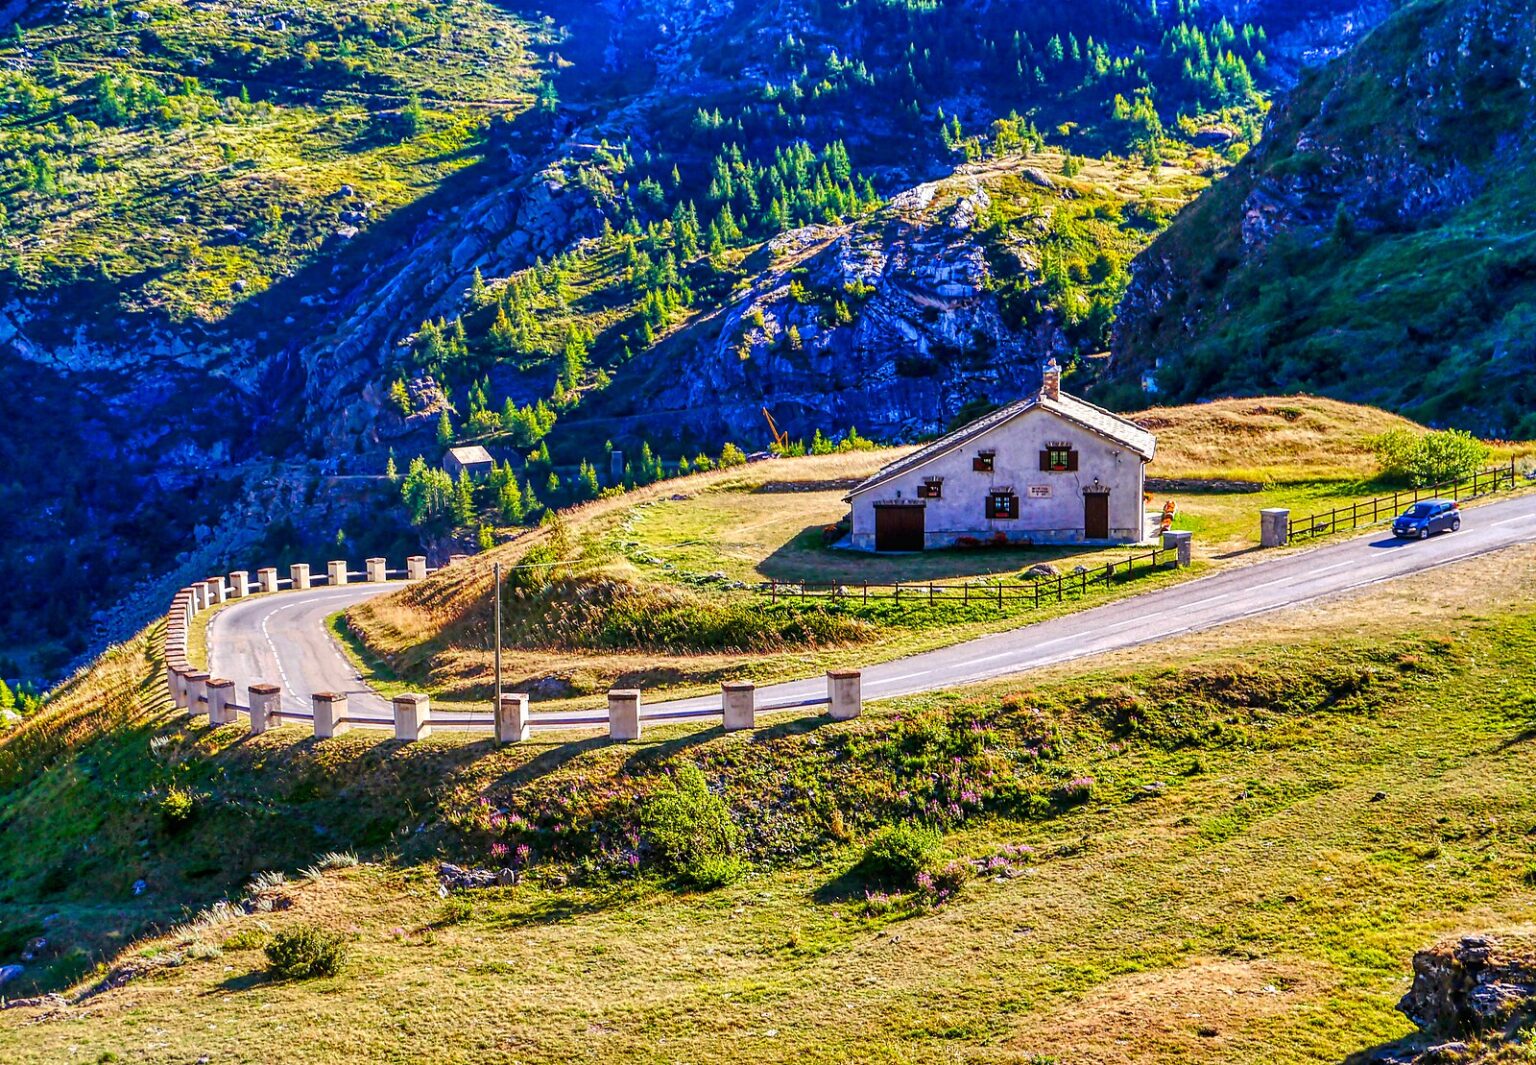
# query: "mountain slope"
{"type": "Point", "coordinates": [1377, 246]}
{"type": "Point", "coordinates": [226, 224]}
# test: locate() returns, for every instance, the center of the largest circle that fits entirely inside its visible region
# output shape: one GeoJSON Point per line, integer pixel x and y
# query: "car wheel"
{"type": "Point", "coordinates": [1424, 533]}
{"type": "Point", "coordinates": [1456, 525]}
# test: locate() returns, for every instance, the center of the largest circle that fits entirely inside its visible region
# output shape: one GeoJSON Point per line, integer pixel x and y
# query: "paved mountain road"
{"type": "Point", "coordinates": [283, 638]}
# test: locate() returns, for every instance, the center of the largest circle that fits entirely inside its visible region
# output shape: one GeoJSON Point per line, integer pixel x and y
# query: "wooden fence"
{"type": "Point", "coordinates": [1370, 512]}
{"type": "Point", "coordinates": [1052, 589]}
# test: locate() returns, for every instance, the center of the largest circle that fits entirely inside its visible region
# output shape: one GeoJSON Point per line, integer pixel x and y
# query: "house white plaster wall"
{"type": "Point", "coordinates": [1057, 518]}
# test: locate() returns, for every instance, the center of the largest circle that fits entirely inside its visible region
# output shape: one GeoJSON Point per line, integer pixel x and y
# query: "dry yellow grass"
{"type": "Point", "coordinates": [124, 686]}
{"type": "Point", "coordinates": [1293, 438]}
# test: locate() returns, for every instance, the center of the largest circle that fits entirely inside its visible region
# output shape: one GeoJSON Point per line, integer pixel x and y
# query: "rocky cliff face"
{"type": "Point", "coordinates": [1305, 33]}
{"type": "Point", "coordinates": [934, 306]}
{"type": "Point", "coordinates": [923, 334]}
{"type": "Point", "coordinates": [1363, 249]}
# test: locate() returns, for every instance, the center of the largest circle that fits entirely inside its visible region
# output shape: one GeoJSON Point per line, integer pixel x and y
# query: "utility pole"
{"type": "Point", "coordinates": [496, 592]}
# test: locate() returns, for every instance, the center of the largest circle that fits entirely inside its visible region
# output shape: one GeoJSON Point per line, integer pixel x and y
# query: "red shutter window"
{"type": "Point", "coordinates": [1002, 505]}
{"type": "Point", "coordinates": [1058, 458]}
{"type": "Point", "coordinates": [983, 462]}
{"type": "Point", "coordinates": [929, 490]}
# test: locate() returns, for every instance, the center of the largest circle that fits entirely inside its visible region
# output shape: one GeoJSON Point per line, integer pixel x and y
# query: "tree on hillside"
{"type": "Point", "coordinates": [1429, 458]}
{"type": "Point", "coordinates": [428, 492]}
{"type": "Point", "coordinates": [463, 499]}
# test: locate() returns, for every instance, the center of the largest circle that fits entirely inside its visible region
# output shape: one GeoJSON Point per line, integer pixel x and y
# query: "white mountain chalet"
{"type": "Point", "coordinates": [1049, 469]}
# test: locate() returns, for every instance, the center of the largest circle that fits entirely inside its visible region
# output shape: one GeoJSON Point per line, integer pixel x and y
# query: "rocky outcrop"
{"type": "Point", "coordinates": [1473, 999]}
{"type": "Point", "coordinates": [890, 324]}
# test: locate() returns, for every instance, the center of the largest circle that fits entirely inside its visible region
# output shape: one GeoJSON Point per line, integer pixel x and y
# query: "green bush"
{"type": "Point", "coordinates": [897, 854]}
{"type": "Point", "coordinates": [689, 832]}
{"type": "Point", "coordinates": [1430, 458]}
{"type": "Point", "coordinates": [455, 910]}
{"type": "Point", "coordinates": [248, 938]}
{"type": "Point", "coordinates": [306, 952]}
{"type": "Point", "coordinates": [177, 808]}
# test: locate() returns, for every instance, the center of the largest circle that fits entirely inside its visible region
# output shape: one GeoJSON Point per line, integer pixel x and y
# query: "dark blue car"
{"type": "Point", "coordinates": [1426, 518]}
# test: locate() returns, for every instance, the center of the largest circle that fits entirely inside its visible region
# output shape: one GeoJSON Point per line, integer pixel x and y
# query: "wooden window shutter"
{"type": "Point", "coordinates": [1072, 459]}
{"type": "Point", "coordinates": [1013, 506]}
{"type": "Point", "coordinates": [1045, 461]}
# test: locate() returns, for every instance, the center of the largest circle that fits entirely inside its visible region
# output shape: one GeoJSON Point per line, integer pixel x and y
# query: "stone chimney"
{"type": "Point", "coordinates": [1050, 381]}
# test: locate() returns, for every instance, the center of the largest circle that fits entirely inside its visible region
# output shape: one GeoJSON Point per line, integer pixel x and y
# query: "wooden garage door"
{"type": "Point", "coordinates": [1096, 516]}
{"type": "Point", "coordinates": [898, 527]}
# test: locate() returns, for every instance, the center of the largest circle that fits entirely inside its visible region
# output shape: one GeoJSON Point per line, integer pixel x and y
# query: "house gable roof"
{"type": "Point", "coordinates": [470, 455]}
{"type": "Point", "coordinates": [1080, 412]}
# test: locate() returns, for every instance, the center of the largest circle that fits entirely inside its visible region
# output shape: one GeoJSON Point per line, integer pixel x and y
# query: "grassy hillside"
{"type": "Point", "coordinates": [1377, 247]}
{"type": "Point", "coordinates": [187, 157]}
{"type": "Point", "coordinates": [657, 587]}
{"type": "Point", "coordinates": [1228, 856]}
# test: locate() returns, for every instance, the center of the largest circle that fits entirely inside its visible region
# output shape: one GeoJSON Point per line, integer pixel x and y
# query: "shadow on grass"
{"type": "Point", "coordinates": [254, 978]}
{"type": "Point", "coordinates": [1405, 1049]}
{"type": "Point", "coordinates": [650, 756]}
{"type": "Point", "coordinates": [376, 670]}
{"type": "Point", "coordinates": [547, 761]}
{"type": "Point", "coordinates": [845, 887]}
{"type": "Point", "coordinates": [805, 556]}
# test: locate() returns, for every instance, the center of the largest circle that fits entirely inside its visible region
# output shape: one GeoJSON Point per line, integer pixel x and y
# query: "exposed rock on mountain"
{"type": "Point", "coordinates": [936, 305]}
{"type": "Point", "coordinates": [1472, 999]}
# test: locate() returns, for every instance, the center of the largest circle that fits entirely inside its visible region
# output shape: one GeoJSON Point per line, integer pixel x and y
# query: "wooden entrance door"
{"type": "Point", "coordinates": [898, 527]}
{"type": "Point", "coordinates": [1096, 516]}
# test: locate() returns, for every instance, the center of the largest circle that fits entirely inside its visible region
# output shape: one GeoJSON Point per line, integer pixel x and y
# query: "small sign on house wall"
{"type": "Point", "coordinates": [1039, 491]}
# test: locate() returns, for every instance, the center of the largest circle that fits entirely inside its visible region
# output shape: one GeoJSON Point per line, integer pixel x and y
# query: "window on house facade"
{"type": "Point", "coordinates": [983, 462]}
{"type": "Point", "coordinates": [1058, 458]}
{"type": "Point", "coordinates": [1002, 505]}
{"type": "Point", "coordinates": [930, 490]}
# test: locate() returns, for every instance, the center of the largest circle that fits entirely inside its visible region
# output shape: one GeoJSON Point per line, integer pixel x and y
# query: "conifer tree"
{"type": "Point", "coordinates": [463, 499]}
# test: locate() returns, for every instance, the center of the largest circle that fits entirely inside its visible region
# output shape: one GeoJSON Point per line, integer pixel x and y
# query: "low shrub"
{"type": "Point", "coordinates": [454, 911]}
{"type": "Point", "coordinates": [938, 886]}
{"type": "Point", "coordinates": [249, 938]}
{"type": "Point", "coordinates": [1427, 458]}
{"type": "Point", "coordinates": [177, 808]}
{"type": "Point", "coordinates": [199, 950]}
{"type": "Point", "coordinates": [306, 952]}
{"type": "Point", "coordinates": [689, 832]}
{"type": "Point", "coordinates": [897, 854]}
{"type": "Point", "coordinates": [713, 872]}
